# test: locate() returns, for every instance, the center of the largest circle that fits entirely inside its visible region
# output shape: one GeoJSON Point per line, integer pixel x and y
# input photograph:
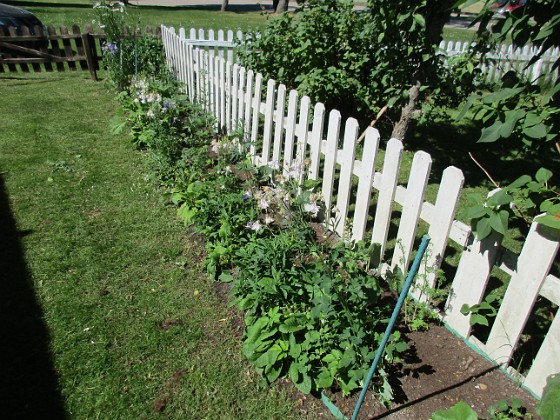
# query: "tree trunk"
{"type": "Point", "coordinates": [282, 6]}
{"type": "Point", "coordinates": [436, 13]}
{"type": "Point", "coordinates": [400, 130]}
{"type": "Point", "coordinates": [224, 5]}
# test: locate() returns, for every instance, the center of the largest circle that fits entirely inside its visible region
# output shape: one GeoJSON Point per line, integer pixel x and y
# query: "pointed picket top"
{"type": "Point", "coordinates": [330, 163]}
{"type": "Point", "coordinates": [316, 140]}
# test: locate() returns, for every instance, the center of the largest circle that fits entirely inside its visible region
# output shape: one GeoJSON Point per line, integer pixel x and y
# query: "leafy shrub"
{"type": "Point", "coordinates": [359, 62]}
{"type": "Point", "coordinates": [163, 122]}
{"type": "Point", "coordinates": [127, 56]}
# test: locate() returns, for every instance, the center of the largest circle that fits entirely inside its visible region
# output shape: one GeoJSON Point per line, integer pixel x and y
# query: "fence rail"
{"type": "Point", "coordinates": [366, 199]}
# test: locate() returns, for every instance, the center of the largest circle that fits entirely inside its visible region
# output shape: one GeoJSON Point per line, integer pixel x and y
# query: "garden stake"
{"type": "Point", "coordinates": [404, 292]}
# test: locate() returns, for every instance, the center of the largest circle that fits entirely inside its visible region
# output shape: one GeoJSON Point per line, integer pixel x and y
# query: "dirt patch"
{"type": "Point", "coordinates": [440, 371]}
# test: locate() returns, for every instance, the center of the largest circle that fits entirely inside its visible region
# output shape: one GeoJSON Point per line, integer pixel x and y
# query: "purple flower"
{"type": "Point", "coordinates": [247, 196]}
{"type": "Point", "coordinates": [110, 47]}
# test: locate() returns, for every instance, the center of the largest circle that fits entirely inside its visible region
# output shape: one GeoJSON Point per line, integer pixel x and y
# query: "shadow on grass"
{"type": "Point", "coordinates": [28, 381]}
{"type": "Point", "coordinates": [449, 144]}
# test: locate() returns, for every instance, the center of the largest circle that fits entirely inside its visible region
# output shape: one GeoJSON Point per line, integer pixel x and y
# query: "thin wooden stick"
{"type": "Point", "coordinates": [371, 124]}
{"type": "Point", "coordinates": [484, 170]}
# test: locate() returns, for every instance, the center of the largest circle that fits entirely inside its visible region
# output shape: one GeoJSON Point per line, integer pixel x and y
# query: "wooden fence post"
{"type": "Point", "coordinates": [91, 54]}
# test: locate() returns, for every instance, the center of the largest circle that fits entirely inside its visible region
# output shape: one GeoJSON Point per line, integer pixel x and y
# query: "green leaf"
{"type": "Point", "coordinates": [225, 278]}
{"type": "Point", "coordinates": [460, 411]}
{"type": "Point", "coordinates": [500, 198]}
{"type": "Point", "coordinates": [324, 379]}
{"type": "Point", "coordinates": [549, 220]}
{"type": "Point", "coordinates": [478, 319]}
{"type": "Point", "coordinates": [419, 19]}
{"type": "Point", "coordinates": [499, 221]}
{"type": "Point", "coordinates": [511, 118]}
{"type": "Point", "coordinates": [305, 385]}
{"type": "Point", "coordinates": [543, 175]}
{"type": "Point", "coordinates": [519, 182]}
{"type": "Point", "coordinates": [273, 372]}
{"type": "Point", "coordinates": [475, 212]}
{"type": "Point", "coordinates": [483, 229]}
{"type": "Point", "coordinates": [490, 134]}
{"type": "Point", "coordinates": [536, 132]}
{"type": "Point", "coordinates": [294, 372]}
{"type": "Point", "coordinates": [549, 408]}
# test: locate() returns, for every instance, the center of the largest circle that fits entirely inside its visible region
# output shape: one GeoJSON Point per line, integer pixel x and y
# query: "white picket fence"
{"type": "Point", "coordinates": [510, 58]}
{"type": "Point", "coordinates": [363, 192]}
{"type": "Point", "coordinates": [223, 43]}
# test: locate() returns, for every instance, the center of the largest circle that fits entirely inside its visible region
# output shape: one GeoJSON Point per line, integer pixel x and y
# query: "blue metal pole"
{"type": "Point", "coordinates": [389, 329]}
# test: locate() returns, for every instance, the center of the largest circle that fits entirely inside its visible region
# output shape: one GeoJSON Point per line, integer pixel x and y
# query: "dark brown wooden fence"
{"type": "Point", "coordinates": [63, 51]}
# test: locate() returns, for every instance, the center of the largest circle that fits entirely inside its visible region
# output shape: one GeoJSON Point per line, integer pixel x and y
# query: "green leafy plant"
{"type": "Point", "coordinates": [127, 54]}
{"type": "Point", "coordinates": [522, 200]}
{"type": "Point", "coordinates": [549, 408]}
{"type": "Point", "coordinates": [460, 411]}
{"type": "Point", "coordinates": [385, 58]}
{"type": "Point", "coordinates": [504, 410]}
{"type": "Point", "coordinates": [481, 312]}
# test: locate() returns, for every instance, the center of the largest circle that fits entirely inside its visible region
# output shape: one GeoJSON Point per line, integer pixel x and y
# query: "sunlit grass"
{"type": "Point", "coordinates": [136, 327]}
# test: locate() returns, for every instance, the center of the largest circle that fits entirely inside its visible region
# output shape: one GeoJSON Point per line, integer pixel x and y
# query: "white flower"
{"type": "Point", "coordinates": [150, 113]}
{"type": "Point", "coordinates": [312, 208]}
{"type": "Point", "coordinates": [263, 204]}
{"type": "Point", "coordinates": [273, 164]}
{"type": "Point", "coordinates": [256, 226]}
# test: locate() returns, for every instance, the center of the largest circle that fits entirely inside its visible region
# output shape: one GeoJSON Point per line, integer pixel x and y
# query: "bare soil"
{"type": "Point", "coordinates": [439, 371]}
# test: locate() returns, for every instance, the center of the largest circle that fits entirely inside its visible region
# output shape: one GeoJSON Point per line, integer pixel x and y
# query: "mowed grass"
{"type": "Point", "coordinates": [132, 326]}
{"type": "Point", "coordinates": [80, 12]}
{"type": "Point", "coordinates": [241, 17]}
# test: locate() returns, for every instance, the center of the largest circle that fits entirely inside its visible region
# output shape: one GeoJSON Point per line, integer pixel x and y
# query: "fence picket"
{"type": "Point", "coordinates": [302, 131]}
{"type": "Point", "coordinates": [279, 124]}
{"type": "Point", "coordinates": [331, 149]}
{"type": "Point", "coordinates": [440, 225]}
{"type": "Point", "coordinates": [316, 140]}
{"type": "Point", "coordinates": [255, 118]}
{"type": "Point", "coordinates": [535, 260]}
{"type": "Point", "coordinates": [241, 99]}
{"type": "Point", "coordinates": [290, 133]}
{"type": "Point", "coordinates": [347, 157]}
{"type": "Point", "coordinates": [366, 174]}
{"type": "Point", "coordinates": [248, 100]}
{"type": "Point", "coordinates": [234, 97]}
{"type": "Point", "coordinates": [268, 121]}
{"type": "Point", "coordinates": [412, 206]}
{"type": "Point", "coordinates": [229, 95]}
{"type": "Point", "coordinates": [547, 361]}
{"type": "Point", "coordinates": [223, 94]}
{"type": "Point", "coordinates": [389, 178]}
{"type": "Point", "coordinates": [471, 280]}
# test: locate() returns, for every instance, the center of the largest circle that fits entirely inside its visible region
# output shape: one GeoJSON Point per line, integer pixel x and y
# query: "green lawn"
{"type": "Point", "coordinates": [105, 312]}
{"type": "Point", "coordinates": [80, 12]}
